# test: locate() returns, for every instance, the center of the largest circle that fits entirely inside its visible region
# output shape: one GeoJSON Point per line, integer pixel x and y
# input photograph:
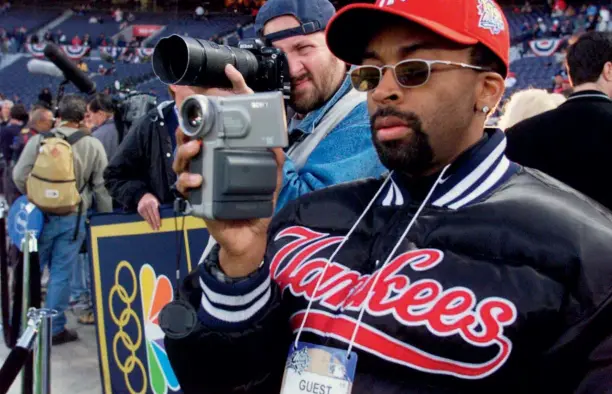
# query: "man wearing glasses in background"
{"type": "Point", "coordinates": [459, 272]}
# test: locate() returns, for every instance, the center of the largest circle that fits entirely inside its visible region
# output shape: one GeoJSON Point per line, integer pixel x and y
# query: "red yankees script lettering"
{"type": "Point", "coordinates": [454, 311]}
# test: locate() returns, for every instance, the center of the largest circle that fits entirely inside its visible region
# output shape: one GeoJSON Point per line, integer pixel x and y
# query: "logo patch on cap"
{"type": "Point", "coordinates": [491, 17]}
{"type": "Point", "coordinates": [386, 3]}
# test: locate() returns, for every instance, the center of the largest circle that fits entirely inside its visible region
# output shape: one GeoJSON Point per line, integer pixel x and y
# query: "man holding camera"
{"type": "Point", "coordinates": [459, 272]}
{"type": "Point", "coordinates": [330, 139]}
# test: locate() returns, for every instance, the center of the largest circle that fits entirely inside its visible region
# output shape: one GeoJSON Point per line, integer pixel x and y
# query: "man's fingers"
{"type": "Point", "coordinates": [188, 181]}
{"type": "Point", "coordinates": [237, 80]}
{"type": "Point", "coordinates": [181, 138]}
{"type": "Point", "coordinates": [184, 154]}
{"type": "Point", "coordinates": [155, 216]}
{"type": "Point", "coordinates": [146, 215]}
{"type": "Point", "coordinates": [151, 213]}
{"type": "Point", "coordinates": [279, 156]}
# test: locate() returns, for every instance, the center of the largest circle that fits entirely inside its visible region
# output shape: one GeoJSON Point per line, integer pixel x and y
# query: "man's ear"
{"type": "Point", "coordinates": [490, 90]}
{"type": "Point", "coordinates": [607, 72]}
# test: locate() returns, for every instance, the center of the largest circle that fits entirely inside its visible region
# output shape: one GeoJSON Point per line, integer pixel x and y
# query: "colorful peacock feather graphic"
{"type": "Point", "coordinates": [155, 293]}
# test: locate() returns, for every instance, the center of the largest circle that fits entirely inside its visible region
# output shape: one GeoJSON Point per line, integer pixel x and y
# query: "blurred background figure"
{"type": "Point", "coordinates": [5, 114]}
{"type": "Point", "coordinates": [527, 103]}
{"type": "Point", "coordinates": [100, 120]}
{"type": "Point", "coordinates": [573, 143]}
{"type": "Point", "coordinates": [45, 97]}
{"type": "Point", "coordinates": [18, 118]}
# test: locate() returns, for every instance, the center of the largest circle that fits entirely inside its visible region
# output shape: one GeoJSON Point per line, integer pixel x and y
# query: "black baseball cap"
{"type": "Point", "coordinates": [313, 16]}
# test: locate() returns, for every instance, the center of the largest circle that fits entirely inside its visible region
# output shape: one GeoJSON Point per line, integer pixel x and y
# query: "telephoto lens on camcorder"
{"type": "Point", "coordinates": [179, 60]}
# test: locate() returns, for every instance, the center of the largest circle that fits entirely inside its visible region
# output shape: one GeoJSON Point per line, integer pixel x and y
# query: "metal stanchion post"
{"type": "Point", "coordinates": [42, 377]}
{"type": "Point", "coordinates": [3, 213]}
{"type": "Point", "coordinates": [19, 355]}
{"type": "Point", "coordinates": [29, 244]}
{"type": "Point", "coordinates": [25, 289]}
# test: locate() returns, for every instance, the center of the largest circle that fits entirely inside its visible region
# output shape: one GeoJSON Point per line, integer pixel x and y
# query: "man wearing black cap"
{"type": "Point", "coordinates": [459, 272]}
{"type": "Point", "coordinates": [330, 140]}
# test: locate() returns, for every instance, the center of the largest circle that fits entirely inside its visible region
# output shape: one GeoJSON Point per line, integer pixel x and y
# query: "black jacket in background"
{"type": "Point", "coordinates": [572, 143]}
{"type": "Point", "coordinates": [143, 162]}
{"type": "Point", "coordinates": [7, 136]}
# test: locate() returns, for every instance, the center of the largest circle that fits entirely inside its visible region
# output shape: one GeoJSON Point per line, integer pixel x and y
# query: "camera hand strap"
{"type": "Point", "coordinates": [178, 319]}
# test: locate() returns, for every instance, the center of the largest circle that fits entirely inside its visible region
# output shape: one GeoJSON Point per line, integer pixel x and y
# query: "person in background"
{"type": "Point", "coordinates": [82, 65]}
{"type": "Point", "coordinates": [5, 115]}
{"type": "Point", "coordinates": [18, 119]}
{"type": "Point", "coordinates": [527, 103]}
{"type": "Point", "coordinates": [573, 142]}
{"type": "Point", "coordinates": [139, 176]}
{"type": "Point", "coordinates": [100, 120]}
{"type": "Point", "coordinates": [326, 108]}
{"type": "Point", "coordinates": [45, 96]}
{"type": "Point", "coordinates": [41, 120]}
{"type": "Point", "coordinates": [63, 235]}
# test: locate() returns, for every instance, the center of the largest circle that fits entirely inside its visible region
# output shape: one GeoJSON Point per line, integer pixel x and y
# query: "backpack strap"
{"type": "Point", "coordinates": [75, 137]}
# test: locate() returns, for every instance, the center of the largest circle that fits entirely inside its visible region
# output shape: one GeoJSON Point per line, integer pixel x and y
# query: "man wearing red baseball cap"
{"type": "Point", "coordinates": [457, 272]}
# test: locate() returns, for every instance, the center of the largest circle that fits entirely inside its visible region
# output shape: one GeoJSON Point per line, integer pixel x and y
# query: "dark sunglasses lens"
{"type": "Point", "coordinates": [365, 78]}
{"type": "Point", "coordinates": [412, 73]}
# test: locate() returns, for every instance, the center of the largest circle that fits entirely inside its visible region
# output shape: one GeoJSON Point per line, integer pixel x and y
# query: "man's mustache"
{"type": "Point", "coordinates": [413, 121]}
{"type": "Point", "coordinates": [295, 81]}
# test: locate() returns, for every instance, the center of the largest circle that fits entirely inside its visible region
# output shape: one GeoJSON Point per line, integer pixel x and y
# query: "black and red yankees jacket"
{"type": "Point", "coordinates": [502, 284]}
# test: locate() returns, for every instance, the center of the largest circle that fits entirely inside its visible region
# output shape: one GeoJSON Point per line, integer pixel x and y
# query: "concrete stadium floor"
{"type": "Point", "coordinates": [74, 365]}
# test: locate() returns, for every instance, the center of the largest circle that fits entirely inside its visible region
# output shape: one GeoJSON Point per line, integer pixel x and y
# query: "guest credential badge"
{"type": "Point", "coordinates": [317, 369]}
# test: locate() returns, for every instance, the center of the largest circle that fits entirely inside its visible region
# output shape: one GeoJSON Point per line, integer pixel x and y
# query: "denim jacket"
{"type": "Point", "coordinates": [345, 154]}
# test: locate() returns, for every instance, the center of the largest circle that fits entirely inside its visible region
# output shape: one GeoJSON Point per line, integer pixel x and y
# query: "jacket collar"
{"type": "Point", "coordinates": [472, 177]}
{"type": "Point", "coordinates": [67, 131]}
{"type": "Point", "coordinates": [588, 95]}
{"type": "Point", "coordinates": [314, 117]}
{"type": "Point", "coordinates": [108, 122]}
{"type": "Point", "coordinates": [164, 108]}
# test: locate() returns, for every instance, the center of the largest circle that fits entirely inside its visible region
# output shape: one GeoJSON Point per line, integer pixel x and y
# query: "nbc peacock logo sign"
{"type": "Point", "coordinates": [155, 293]}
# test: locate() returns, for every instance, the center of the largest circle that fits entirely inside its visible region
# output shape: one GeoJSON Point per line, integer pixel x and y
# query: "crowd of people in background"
{"type": "Point", "coordinates": [565, 20]}
{"type": "Point", "coordinates": [14, 40]}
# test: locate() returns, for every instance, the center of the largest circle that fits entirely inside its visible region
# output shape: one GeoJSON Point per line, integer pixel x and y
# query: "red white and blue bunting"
{"type": "Point", "coordinates": [37, 50]}
{"type": "Point", "coordinates": [545, 47]}
{"type": "Point", "coordinates": [74, 52]}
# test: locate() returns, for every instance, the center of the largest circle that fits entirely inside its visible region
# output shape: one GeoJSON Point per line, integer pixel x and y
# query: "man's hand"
{"type": "Point", "coordinates": [243, 242]}
{"type": "Point", "coordinates": [239, 85]}
{"type": "Point", "coordinates": [148, 208]}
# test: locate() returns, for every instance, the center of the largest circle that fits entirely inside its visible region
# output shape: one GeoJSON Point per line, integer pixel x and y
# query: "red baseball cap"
{"type": "Point", "coordinates": [465, 22]}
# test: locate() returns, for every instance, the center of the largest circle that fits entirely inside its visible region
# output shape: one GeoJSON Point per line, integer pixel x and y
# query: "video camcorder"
{"type": "Point", "coordinates": [239, 170]}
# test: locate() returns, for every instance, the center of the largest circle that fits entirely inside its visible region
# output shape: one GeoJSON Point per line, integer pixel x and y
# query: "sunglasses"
{"type": "Point", "coordinates": [410, 73]}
